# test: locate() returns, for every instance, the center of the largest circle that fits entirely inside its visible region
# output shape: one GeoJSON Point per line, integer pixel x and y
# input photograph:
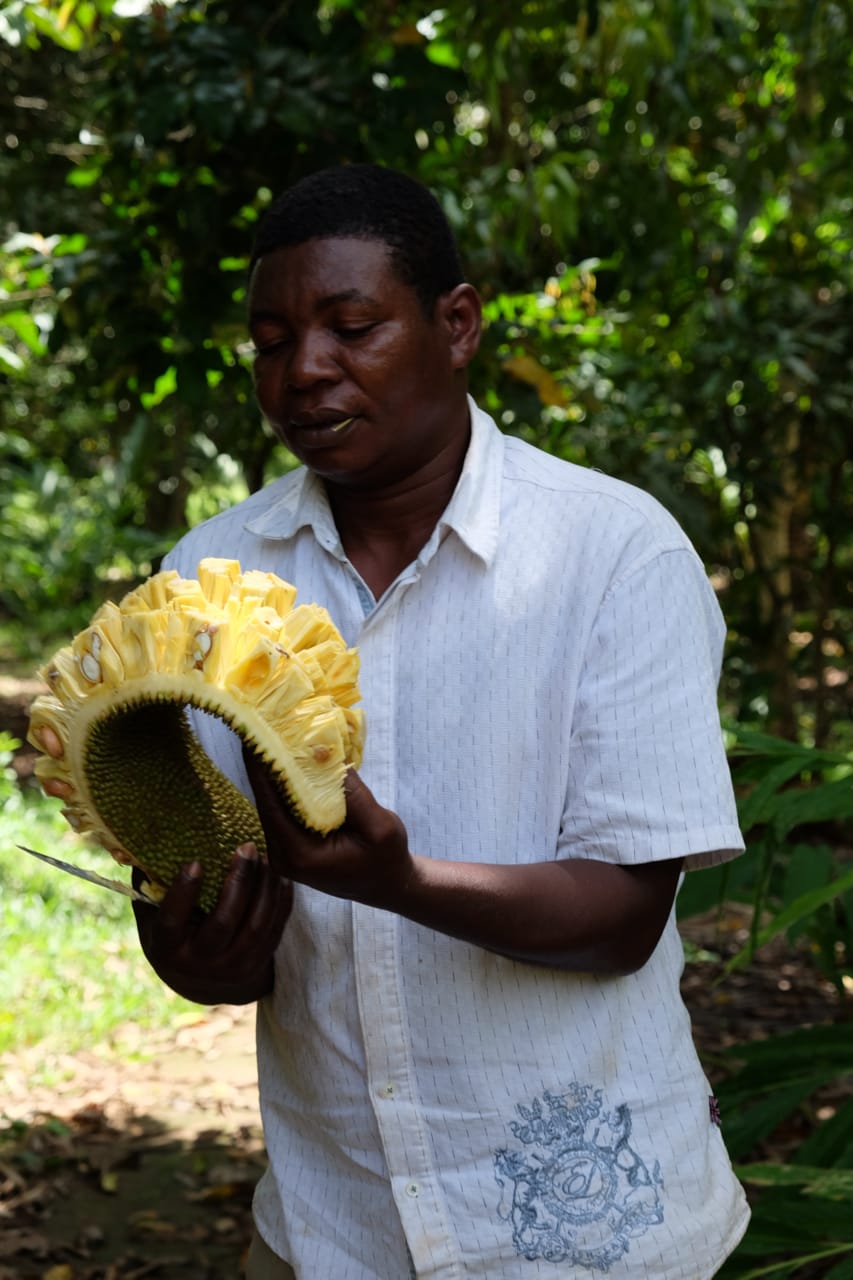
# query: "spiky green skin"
{"type": "Point", "coordinates": [164, 799]}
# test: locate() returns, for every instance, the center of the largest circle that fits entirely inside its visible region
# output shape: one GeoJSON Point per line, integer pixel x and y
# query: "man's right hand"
{"type": "Point", "coordinates": [226, 955]}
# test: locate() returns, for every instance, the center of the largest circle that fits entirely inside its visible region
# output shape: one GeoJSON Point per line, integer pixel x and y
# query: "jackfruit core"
{"type": "Point", "coordinates": [163, 798]}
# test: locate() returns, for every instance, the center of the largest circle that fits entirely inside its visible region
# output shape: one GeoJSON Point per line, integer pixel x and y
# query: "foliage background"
{"type": "Point", "coordinates": [655, 201]}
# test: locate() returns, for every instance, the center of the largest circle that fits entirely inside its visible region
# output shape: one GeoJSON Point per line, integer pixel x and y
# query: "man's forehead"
{"type": "Point", "coordinates": [352, 261]}
{"type": "Point", "coordinates": [325, 272]}
{"type": "Point", "coordinates": [307, 253]}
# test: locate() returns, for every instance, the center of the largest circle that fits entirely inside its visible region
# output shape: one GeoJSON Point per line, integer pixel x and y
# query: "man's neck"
{"type": "Point", "coordinates": [383, 531]}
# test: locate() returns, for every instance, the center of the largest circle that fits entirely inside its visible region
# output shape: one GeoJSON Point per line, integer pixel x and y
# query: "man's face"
{"type": "Point", "coordinates": [358, 382]}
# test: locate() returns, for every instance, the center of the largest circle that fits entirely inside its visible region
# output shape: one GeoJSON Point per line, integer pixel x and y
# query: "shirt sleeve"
{"type": "Point", "coordinates": [648, 775]}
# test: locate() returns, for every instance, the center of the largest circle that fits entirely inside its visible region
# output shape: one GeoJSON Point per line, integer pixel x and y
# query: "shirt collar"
{"type": "Point", "coordinates": [473, 511]}
{"type": "Point", "coordinates": [303, 504]}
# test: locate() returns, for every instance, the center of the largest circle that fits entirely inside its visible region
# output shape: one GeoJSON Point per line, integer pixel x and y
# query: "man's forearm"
{"type": "Point", "coordinates": [571, 914]}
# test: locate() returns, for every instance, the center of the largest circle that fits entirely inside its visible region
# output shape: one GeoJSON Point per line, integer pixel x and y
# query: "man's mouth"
{"type": "Point", "coordinates": [320, 422]}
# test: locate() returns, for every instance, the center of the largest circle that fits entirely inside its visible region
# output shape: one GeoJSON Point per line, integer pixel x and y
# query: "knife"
{"type": "Point", "coordinates": [117, 886]}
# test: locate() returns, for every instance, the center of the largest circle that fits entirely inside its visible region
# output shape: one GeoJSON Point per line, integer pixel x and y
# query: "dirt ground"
{"type": "Point", "coordinates": [139, 1159]}
{"type": "Point", "coordinates": [125, 1168]}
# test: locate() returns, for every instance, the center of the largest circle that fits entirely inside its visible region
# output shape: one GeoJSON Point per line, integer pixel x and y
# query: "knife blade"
{"type": "Point", "coordinates": [117, 886]}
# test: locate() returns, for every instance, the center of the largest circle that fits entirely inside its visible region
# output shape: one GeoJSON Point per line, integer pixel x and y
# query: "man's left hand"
{"type": "Point", "coordinates": [367, 859]}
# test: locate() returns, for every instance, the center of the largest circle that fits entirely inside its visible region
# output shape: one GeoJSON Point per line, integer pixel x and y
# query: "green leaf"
{"type": "Point", "coordinates": [752, 743]}
{"type": "Point", "coordinates": [831, 1184]}
{"type": "Point", "coordinates": [843, 1271]}
{"type": "Point", "coordinates": [826, 802]}
{"type": "Point", "coordinates": [822, 1222]}
{"type": "Point", "coordinates": [793, 1054]}
{"type": "Point", "coordinates": [164, 386]}
{"type": "Point", "coordinates": [831, 1141]}
{"type": "Point", "coordinates": [10, 360]}
{"type": "Point", "coordinates": [443, 54]}
{"type": "Point", "coordinates": [758, 805]}
{"type": "Point", "coordinates": [747, 1122]}
{"type": "Point", "coordinates": [807, 904]}
{"type": "Point", "coordinates": [791, 1265]}
{"type": "Point", "coordinates": [83, 177]}
{"type": "Point", "coordinates": [809, 866]}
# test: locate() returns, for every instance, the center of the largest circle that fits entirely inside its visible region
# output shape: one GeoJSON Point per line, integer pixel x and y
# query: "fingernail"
{"type": "Point", "coordinates": [247, 851]}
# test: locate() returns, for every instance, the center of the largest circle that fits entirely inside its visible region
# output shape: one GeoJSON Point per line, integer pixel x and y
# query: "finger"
{"type": "Point", "coordinates": [366, 817]}
{"type": "Point", "coordinates": [239, 884]}
{"type": "Point", "coordinates": [224, 922]}
{"type": "Point", "coordinates": [145, 913]}
{"type": "Point", "coordinates": [261, 777]}
{"type": "Point", "coordinates": [175, 913]}
{"type": "Point", "coordinates": [356, 790]}
{"type": "Point", "coordinates": [270, 911]}
{"type": "Point", "coordinates": [269, 798]}
{"type": "Point", "coordinates": [282, 831]}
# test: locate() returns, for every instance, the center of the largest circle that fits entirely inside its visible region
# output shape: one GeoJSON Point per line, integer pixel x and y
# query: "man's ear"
{"type": "Point", "coordinates": [461, 312]}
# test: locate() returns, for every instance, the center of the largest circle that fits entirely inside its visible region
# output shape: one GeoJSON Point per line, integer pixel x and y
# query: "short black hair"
{"type": "Point", "coordinates": [369, 202]}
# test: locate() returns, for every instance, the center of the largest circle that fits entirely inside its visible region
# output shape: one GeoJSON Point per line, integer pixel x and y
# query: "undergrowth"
{"type": "Point", "coordinates": [72, 972]}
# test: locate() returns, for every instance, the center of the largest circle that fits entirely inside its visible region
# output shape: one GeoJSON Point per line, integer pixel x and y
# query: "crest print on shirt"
{"type": "Point", "coordinates": [577, 1192]}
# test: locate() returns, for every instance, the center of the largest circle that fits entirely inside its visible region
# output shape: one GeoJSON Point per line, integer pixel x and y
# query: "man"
{"type": "Point", "coordinates": [473, 1056]}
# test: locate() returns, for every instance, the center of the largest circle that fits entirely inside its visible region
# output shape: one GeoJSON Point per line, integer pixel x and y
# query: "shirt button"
{"type": "Point", "coordinates": [412, 1190]}
{"type": "Point", "coordinates": [387, 1090]}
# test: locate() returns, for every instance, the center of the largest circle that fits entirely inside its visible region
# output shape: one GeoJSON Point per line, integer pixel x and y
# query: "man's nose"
{"type": "Point", "coordinates": [311, 361]}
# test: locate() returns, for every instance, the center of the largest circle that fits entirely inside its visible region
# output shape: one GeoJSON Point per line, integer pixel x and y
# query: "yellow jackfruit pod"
{"type": "Point", "coordinates": [97, 658]}
{"type": "Point", "coordinates": [291, 685]}
{"type": "Point", "coordinates": [253, 669]}
{"type": "Point", "coordinates": [152, 594]}
{"type": "Point", "coordinates": [108, 621]}
{"type": "Point", "coordinates": [354, 717]}
{"type": "Point", "coordinates": [117, 745]}
{"type": "Point", "coordinates": [306, 626]}
{"type": "Point", "coordinates": [185, 591]}
{"type": "Point", "coordinates": [55, 777]}
{"type": "Point", "coordinates": [216, 577]}
{"type": "Point", "coordinates": [270, 590]}
{"type": "Point", "coordinates": [63, 676]}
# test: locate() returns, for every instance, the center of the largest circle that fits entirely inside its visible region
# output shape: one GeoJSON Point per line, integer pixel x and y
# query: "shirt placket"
{"type": "Point", "coordinates": [391, 1073]}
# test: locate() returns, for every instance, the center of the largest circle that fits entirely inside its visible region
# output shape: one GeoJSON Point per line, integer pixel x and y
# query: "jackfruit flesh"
{"type": "Point", "coordinates": [118, 747]}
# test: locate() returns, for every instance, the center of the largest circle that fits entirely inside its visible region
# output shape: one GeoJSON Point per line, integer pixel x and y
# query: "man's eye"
{"type": "Point", "coordinates": [351, 332]}
{"type": "Point", "coordinates": [269, 346]}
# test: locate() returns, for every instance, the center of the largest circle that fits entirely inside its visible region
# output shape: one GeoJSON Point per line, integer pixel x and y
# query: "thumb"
{"type": "Point", "coordinates": [361, 802]}
{"type": "Point", "coordinates": [366, 817]}
{"type": "Point", "coordinates": [269, 796]}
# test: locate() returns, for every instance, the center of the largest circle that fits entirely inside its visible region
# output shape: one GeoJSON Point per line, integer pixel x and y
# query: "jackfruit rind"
{"type": "Point", "coordinates": [117, 746]}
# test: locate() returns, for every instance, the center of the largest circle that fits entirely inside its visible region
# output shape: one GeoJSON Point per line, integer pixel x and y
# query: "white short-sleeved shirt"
{"type": "Point", "coordinates": [539, 683]}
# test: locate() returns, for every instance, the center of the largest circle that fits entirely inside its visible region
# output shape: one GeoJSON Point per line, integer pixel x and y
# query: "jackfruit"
{"type": "Point", "coordinates": [117, 745]}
